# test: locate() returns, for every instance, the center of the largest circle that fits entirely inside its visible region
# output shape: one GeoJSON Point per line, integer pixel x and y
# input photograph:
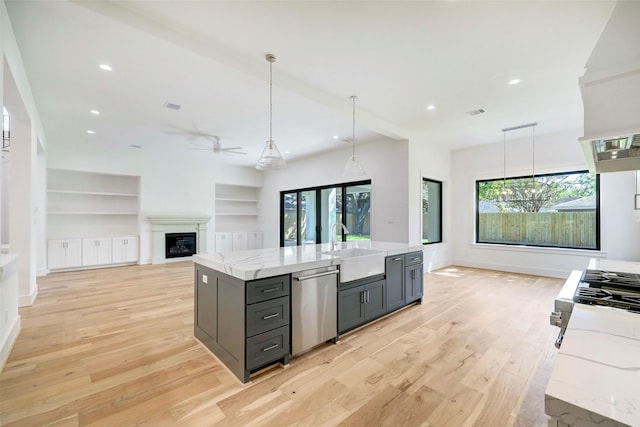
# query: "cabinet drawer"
{"type": "Point", "coordinates": [267, 315]}
{"type": "Point", "coordinates": [413, 258]}
{"type": "Point", "coordinates": [267, 347]}
{"type": "Point", "coordinates": [269, 288]}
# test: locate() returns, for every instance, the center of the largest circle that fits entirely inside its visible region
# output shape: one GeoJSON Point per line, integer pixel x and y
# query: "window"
{"type": "Point", "coordinates": [431, 211]}
{"type": "Point", "coordinates": [307, 215]}
{"type": "Point", "coordinates": [554, 210]}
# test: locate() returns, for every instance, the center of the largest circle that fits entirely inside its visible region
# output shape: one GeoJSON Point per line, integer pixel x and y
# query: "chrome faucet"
{"type": "Point", "coordinates": [334, 244]}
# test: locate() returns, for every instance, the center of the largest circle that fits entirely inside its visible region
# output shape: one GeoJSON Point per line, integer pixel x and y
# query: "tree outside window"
{"type": "Point", "coordinates": [554, 210]}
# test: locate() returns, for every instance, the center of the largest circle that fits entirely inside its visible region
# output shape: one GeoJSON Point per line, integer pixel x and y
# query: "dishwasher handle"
{"type": "Point", "coordinates": [313, 276]}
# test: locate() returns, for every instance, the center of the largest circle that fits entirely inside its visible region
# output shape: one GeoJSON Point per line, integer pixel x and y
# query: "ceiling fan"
{"type": "Point", "coordinates": [215, 146]}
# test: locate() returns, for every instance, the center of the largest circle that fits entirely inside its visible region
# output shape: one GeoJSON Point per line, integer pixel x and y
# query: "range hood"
{"type": "Point", "coordinates": [610, 90]}
{"type": "Point", "coordinates": [612, 153]}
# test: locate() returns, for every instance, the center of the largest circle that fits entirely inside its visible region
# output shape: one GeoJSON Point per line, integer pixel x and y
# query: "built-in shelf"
{"type": "Point", "coordinates": [225, 199]}
{"type": "Point", "coordinates": [84, 204]}
{"type": "Point", "coordinates": [91, 193]}
{"type": "Point", "coordinates": [90, 213]}
{"type": "Point", "coordinates": [236, 217]}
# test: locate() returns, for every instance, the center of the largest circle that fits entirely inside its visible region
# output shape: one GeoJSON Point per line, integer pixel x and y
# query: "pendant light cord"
{"type": "Point", "coordinates": [504, 160]}
{"type": "Point", "coordinates": [533, 155]}
{"type": "Point", "coordinates": [353, 134]}
{"type": "Point", "coordinates": [271, 99]}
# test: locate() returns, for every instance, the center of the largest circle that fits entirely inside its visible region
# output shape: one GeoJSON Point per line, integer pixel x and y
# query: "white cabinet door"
{"type": "Point", "coordinates": [96, 251]}
{"type": "Point", "coordinates": [224, 241]}
{"type": "Point", "coordinates": [125, 249]}
{"type": "Point", "coordinates": [254, 240]}
{"type": "Point", "coordinates": [239, 241]}
{"type": "Point", "coordinates": [64, 253]}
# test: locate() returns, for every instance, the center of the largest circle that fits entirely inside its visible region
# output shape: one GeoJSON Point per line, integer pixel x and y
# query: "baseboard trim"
{"type": "Point", "coordinates": [9, 341]}
{"type": "Point", "coordinates": [27, 300]}
{"type": "Point", "coordinates": [546, 272]}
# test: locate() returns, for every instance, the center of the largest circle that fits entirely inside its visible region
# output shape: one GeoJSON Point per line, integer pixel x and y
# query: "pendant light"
{"type": "Point", "coordinates": [271, 157]}
{"type": "Point", "coordinates": [353, 167]}
{"type": "Point", "coordinates": [508, 194]}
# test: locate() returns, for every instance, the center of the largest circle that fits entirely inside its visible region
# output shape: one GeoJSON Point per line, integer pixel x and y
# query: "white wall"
{"type": "Point", "coordinates": [560, 152]}
{"type": "Point", "coordinates": [385, 162]}
{"type": "Point", "coordinates": [428, 160]}
{"type": "Point", "coordinates": [23, 180]}
{"type": "Point", "coordinates": [176, 181]}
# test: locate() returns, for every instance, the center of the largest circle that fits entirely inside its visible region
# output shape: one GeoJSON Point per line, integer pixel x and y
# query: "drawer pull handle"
{"type": "Point", "coordinates": [397, 259]}
{"type": "Point", "coordinates": [271, 347]}
{"type": "Point", "coordinates": [415, 259]}
{"type": "Point", "coordinates": [271, 316]}
{"type": "Point", "coordinates": [265, 291]}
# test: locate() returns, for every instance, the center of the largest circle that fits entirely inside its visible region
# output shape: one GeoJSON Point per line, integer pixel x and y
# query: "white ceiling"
{"type": "Point", "coordinates": [397, 57]}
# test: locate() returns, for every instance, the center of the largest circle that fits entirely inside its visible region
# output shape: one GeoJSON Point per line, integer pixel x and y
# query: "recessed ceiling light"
{"type": "Point", "coordinates": [335, 137]}
{"type": "Point", "coordinates": [106, 67]}
{"type": "Point", "coordinates": [95, 112]}
{"type": "Point", "coordinates": [514, 81]}
{"type": "Point", "coordinates": [90, 132]}
{"type": "Point", "coordinates": [431, 107]}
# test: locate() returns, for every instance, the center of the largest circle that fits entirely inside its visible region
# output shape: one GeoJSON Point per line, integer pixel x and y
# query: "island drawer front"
{"type": "Point", "coordinates": [267, 315]}
{"type": "Point", "coordinates": [413, 258]}
{"type": "Point", "coordinates": [269, 288]}
{"type": "Point", "coordinates": [267, 347]}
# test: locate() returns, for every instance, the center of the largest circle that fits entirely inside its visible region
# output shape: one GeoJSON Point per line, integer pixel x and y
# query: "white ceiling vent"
{"type": "Point", "coordinates": [172, 106]}
{"type": "Point", "coordinates": [476, 112]}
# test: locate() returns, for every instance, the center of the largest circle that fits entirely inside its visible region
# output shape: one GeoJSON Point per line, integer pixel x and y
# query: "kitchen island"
{"type": "Point", "coordinates": [596, 377]}
{"type": "Point", "coordinates": [243, 303]}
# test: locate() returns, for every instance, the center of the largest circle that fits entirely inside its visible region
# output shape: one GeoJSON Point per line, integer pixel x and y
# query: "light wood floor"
{"type": "Point", "coordinates": [115, 347]}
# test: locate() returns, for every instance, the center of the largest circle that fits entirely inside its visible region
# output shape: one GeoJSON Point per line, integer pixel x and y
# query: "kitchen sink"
{"type": "Point", "coordinates": [358, 263]}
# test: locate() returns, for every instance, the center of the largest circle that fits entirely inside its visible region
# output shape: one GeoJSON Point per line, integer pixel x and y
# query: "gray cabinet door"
{"type": "Point", "coordinates": [394, 267]}
{"type": "Point", "coordinates": [350, 308]}
{"type": "Point", "coordinates": [413, 282]}
{"type": "Point", "coordinates": [206, 301]}
{"type": "Point", "coordinates": [374, 300]}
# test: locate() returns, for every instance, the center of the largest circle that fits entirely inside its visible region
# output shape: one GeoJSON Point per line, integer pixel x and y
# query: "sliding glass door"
{"type": "Point", "coordinates": [312, 215]}
{"type": "Point", "coordinates": [358, 211]}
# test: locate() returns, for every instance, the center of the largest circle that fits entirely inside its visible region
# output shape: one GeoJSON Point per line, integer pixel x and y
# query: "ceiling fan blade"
{"type": "Point", "coordinates": [232, 148]}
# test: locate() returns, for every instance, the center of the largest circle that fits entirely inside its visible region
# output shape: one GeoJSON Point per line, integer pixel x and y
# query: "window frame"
{"type": "Point", "coordinates": [440, 219]}
{"type": "Point", "coordinates": [342, 187]}
{"type": "Point", "coordinates": [597, 219]}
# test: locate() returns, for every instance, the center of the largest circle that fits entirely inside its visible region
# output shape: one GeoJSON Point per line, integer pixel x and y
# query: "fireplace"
{"type": "Point", "coordinates": [176, 224]}
{"type": "Point", "coordinates": [179, 244]}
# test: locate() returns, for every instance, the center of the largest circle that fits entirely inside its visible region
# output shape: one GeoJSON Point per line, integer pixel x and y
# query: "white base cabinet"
{"type": "Point", "coordinates": [254, 240]}
{"type": "Point", "coordinates": [125, 249]}
{"type": "Point", "coordinates": [96, 251]}
{"type": "Point", "coordinates": [91, 252]}
{"type": "Point", "coordinates": [228, 241]}
{"type": "Point", "coordinates": [64, 253]}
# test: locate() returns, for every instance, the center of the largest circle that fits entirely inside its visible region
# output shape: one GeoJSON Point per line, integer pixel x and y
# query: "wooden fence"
{"type": "Point", "coordinates": [568, 229]}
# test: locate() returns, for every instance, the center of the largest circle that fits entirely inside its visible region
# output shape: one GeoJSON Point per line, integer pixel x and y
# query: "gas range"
{"type": "Point", "coordinates": [620, 290]}
{"type": "Point", "coordinates": [609, 288]}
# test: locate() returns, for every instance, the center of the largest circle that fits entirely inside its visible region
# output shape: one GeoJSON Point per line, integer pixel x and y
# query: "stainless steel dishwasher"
{"type": "Point", "coordinates": [314, 304]}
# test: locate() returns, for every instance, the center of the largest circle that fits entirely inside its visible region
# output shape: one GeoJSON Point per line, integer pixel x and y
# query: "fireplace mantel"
{"type": "Point", "coordinates": [162, 224]}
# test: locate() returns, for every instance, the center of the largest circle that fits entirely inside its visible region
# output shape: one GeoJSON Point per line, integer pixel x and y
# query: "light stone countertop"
{"type": "Point", "coordinates": [261, 263]}
{"type": "Point", "coordinates": [8, 263]}
{"type": "Point", "coordinates": [596, 377]}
